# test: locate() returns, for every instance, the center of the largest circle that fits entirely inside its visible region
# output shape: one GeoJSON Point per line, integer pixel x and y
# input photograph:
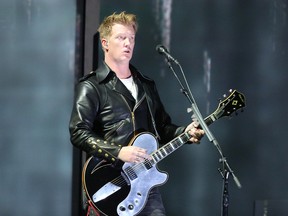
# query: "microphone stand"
{"type": "Point", "coordinates": [226, 169]}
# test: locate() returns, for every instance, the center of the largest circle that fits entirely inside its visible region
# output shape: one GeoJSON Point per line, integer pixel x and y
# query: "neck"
{"type": "Point", "coordinates": [121, 69]}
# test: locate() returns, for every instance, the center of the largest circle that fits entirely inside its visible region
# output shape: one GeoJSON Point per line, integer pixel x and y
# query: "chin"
{"type": "Point", "coordinates": [127, 58]}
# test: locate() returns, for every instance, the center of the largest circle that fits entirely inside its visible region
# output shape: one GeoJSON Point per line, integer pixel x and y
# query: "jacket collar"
{"type": "Point", "coordinates": [104, 72]}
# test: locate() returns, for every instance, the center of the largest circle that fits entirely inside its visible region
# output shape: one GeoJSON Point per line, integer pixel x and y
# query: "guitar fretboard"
{"type": "Point", "coordinates": [169, 148]}
{"type": "Point", "coordinates": [176, 143]}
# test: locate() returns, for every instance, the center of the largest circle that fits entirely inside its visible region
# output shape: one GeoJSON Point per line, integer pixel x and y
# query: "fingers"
{"type": "Point", "coordinates": [140, 155]}
{"type": "Point", "coordinates": [195, 140]}
{"type": "Point", "coordinates": [196, 135]}
{"type": "Point", "coordinates": [138, 159]}
{"type": "Point", "coordinates": [195, 124]}
{"type": "Point", "coordinates": [132, 154]}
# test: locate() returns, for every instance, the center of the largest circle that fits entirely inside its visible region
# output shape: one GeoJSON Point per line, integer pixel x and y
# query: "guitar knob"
{"type": "Point", "coordinates": [130, 207]}
{"type": "Point", "coordinates": [122, 208]}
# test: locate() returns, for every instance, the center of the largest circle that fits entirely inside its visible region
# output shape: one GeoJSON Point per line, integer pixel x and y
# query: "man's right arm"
{"type": "Point", "coordinates": [81, 126]}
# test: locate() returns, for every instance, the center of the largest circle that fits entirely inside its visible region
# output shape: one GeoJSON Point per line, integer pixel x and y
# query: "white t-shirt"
{"type": "Point", "coordinates": [131, 86]}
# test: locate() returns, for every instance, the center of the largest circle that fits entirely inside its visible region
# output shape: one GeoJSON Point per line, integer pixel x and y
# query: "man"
{"type": "Point", "coordinates": [116, 102]}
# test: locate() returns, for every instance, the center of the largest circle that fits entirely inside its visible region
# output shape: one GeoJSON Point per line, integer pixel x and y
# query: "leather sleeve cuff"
{"type": "Point", "coordinates": [102, 149]}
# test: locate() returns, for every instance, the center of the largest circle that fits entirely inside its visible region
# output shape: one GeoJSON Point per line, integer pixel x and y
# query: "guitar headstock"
{"type": "Point", "coordinates": [230, 104]}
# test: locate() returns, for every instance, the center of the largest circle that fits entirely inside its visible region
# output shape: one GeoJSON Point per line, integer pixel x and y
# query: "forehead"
{"type": "Point", "coordinates": [122, 29]}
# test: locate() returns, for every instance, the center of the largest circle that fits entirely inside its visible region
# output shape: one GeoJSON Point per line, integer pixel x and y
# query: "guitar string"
{"type": "Point", "coordinates": [158, 155]}
{"type": "Point", "coordinates": [120, 181]}
{"type": "Point", "coordinates": [155, 159]}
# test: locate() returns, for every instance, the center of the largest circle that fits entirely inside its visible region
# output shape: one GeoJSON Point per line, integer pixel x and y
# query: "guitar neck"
{"type": "Point", "coordinates": [176, 143]}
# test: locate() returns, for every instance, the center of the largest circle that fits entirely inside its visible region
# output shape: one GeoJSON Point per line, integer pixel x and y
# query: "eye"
{"type": "Point", "coordinates": [120, 37]}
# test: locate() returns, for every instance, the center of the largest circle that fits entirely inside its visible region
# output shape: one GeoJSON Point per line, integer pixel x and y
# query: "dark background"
{"type": "Point", "coordinates": [246, 45]}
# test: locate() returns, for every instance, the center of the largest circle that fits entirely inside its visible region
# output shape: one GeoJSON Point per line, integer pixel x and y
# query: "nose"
{"type": "Point", "coordinates": [127, 41]}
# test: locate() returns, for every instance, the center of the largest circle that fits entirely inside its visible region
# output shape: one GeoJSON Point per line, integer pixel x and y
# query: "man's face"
{"type": "Point", "coordinates": [121, 43]}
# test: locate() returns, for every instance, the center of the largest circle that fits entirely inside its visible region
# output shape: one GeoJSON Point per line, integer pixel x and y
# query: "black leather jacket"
{"type": "Point", "coordinates": [105, 116]}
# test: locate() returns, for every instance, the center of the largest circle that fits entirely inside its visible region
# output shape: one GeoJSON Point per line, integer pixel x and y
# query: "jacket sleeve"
{"type": "Point", "coordinates": [82, 128]}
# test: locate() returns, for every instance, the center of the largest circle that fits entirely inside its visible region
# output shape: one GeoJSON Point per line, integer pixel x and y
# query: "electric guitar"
{"type": "Point", "coordinates": [125, 191]}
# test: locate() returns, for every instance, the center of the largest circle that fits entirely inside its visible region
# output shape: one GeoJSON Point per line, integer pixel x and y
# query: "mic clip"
{"type": "Point", "coordinates": [163, 51]}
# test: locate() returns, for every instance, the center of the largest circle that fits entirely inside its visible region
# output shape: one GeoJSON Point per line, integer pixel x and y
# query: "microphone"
{"type": "Point", "coordinates": [163, 51]}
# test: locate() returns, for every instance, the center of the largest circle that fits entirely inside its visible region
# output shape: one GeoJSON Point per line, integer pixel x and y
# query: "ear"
{"type": "Point", "coordinates": [104, 43]}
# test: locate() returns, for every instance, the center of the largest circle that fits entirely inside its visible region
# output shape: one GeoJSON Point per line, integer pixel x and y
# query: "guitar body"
{"type": "Point", "coordinates": [132, 196]}
{"type": "Point", "coordinates": [95, 175]}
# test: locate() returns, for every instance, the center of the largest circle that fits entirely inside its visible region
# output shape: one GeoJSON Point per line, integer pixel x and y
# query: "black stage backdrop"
{"type": "Point", "coordinates": [37, 46]}
{"type": "Point", "coordinates": [220, 45]}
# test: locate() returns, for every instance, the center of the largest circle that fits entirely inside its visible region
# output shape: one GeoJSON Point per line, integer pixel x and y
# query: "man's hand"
{"type": "Point", "coordinates": [196, 133]}
{"type": "Point", "coordinates": [133, 154]}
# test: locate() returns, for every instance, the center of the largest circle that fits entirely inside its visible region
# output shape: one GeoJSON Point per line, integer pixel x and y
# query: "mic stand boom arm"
{"type": "Point", "coordinates": [226, 170]}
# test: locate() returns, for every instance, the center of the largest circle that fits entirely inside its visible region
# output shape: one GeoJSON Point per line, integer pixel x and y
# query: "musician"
{"type": "Point", "coordinates": [116, 102]}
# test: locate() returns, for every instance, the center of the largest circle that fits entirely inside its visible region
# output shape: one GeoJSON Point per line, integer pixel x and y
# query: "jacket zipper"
{"type": "Point", "coordinates": [132, 111]}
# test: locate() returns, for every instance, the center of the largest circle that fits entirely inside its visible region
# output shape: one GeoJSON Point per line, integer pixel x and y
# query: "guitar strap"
{"type": "Point", "coordinates": [88, 206]}
{"type": "Point", "coordinates": [91, 210]}
{"type": "Point", "coordinates": [149, 103]}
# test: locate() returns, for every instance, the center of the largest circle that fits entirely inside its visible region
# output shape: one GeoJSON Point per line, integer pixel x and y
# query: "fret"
{"type": "Point", "coordinates": [175, 144]}
{"type": "Point", "coordinates": [158, 154]}
{"type": "Point", "coordinates": [169, 148]}
{"type": "Point", "coordinates": [163, 152]}
{"type": "Point", "coordinates": [155, 157]}
{"type": "Point", "coordinates": [187, 136]}
{"type": "Point", "coordinates": [180, 140]}
{"type": "Point", "coordinates": [210, 119]}
{"type": "Point", "coordinates": [152, 160]}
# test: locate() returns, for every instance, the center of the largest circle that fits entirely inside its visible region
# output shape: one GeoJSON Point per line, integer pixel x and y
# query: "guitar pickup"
{"type": "Point", "coordinates": [147, 164]}
{"type": "Point", "coordinates": [130, 173]}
